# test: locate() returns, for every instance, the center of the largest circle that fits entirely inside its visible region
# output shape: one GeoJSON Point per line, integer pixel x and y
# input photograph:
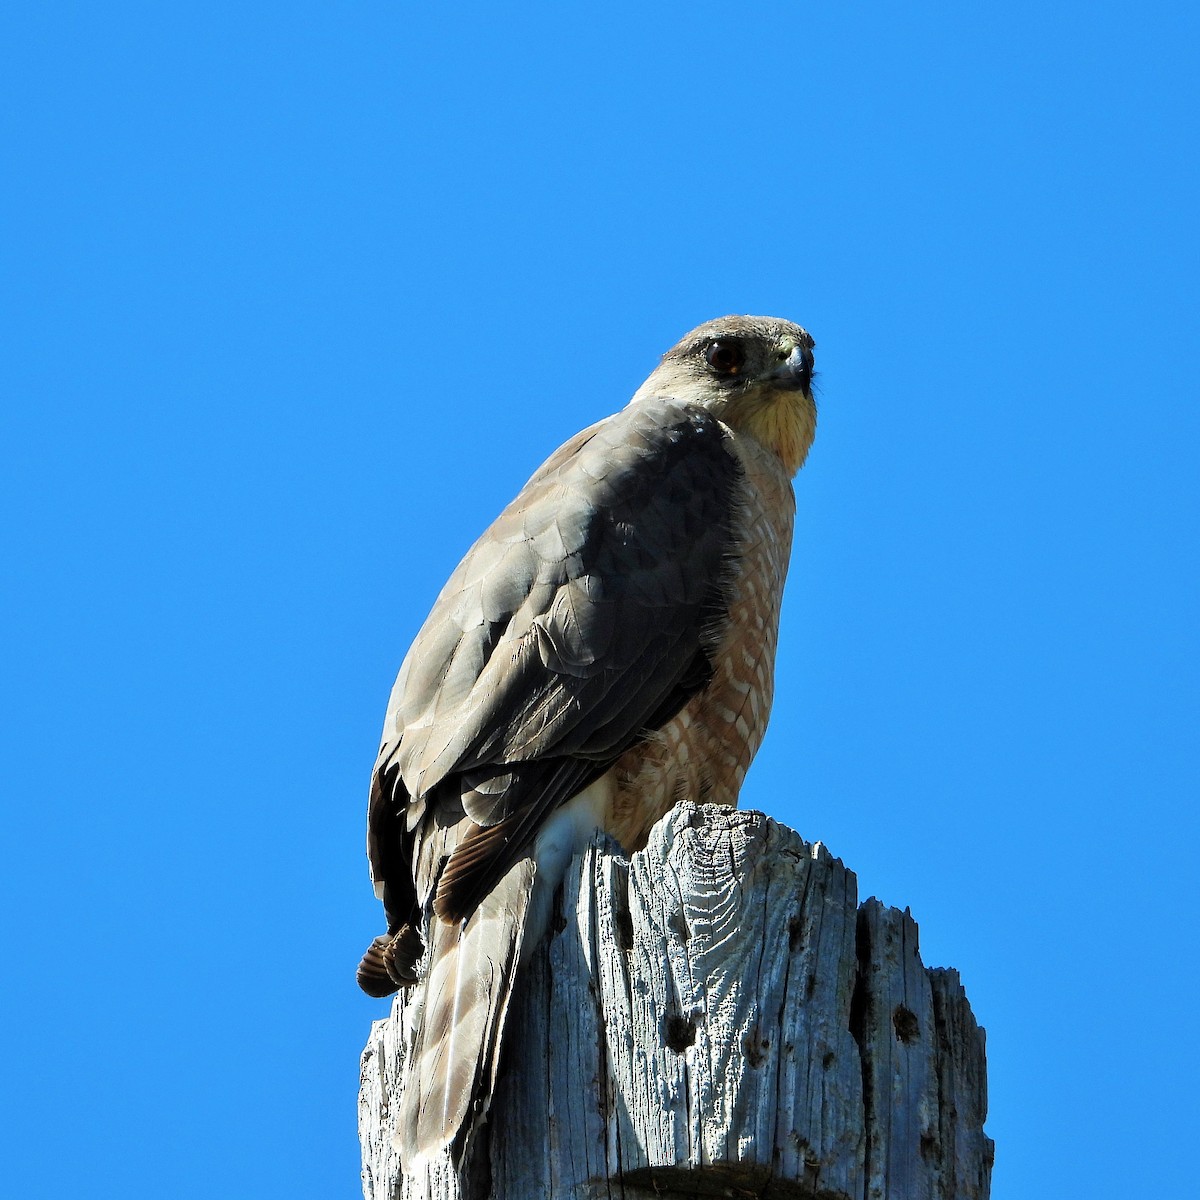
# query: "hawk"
{"type": "Point", "coordinates": [604, 650]}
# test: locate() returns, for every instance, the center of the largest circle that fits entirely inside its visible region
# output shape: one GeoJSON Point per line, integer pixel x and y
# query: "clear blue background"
{"type": "Point", "coordinates": [296, 296]}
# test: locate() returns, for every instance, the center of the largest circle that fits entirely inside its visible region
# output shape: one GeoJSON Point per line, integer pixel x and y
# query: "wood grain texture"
{"type": "Point", "coordinates": [714, 1017]}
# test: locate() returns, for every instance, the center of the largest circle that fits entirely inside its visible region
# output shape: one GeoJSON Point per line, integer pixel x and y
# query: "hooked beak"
{"type": "Point", "coordinates": [795, 372]}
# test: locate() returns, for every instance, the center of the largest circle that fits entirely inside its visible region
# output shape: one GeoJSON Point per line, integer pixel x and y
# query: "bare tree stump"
{"type": "Point", "coordinates": [715, 1017]}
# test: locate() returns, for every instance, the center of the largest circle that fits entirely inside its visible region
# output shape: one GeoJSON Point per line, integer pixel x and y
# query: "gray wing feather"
{"type": "Point", "coordinates": [569, 593]}
{"type": "Point", "coordinates": [578, 622]}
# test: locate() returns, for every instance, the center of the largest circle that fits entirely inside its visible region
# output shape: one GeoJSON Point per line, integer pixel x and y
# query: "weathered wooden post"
{"type": "Point", "coordinates": [716, 1016]}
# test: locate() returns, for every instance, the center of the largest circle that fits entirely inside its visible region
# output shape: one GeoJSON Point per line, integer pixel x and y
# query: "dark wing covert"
{"type": "Point", "coordinates": [583, 619]}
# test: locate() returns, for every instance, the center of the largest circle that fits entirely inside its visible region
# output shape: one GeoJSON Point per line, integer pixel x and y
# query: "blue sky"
{"type": "Point", "coordinates": [296, 296]}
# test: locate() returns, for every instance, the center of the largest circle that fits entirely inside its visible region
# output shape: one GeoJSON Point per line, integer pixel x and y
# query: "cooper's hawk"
{"type": "Point", "coordinates": [605, 649]}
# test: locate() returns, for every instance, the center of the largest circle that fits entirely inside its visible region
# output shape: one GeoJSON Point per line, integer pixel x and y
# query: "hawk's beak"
{"type": "Point", "coordinates": [795, 372]}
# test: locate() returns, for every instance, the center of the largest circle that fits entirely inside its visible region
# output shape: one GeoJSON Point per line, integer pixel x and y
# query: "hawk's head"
{"type": "Point", "coordinates": [754, 373]}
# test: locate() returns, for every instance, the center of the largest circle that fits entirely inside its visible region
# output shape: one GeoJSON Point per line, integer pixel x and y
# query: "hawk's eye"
{"type": "Point", "coordinates": [725, 356]}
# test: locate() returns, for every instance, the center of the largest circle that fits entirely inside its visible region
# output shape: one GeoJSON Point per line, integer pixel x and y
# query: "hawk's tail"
{"type": "Point", "coordinates": [391, 962]}
{"type": "Point", "coordinates": [456, 1052]}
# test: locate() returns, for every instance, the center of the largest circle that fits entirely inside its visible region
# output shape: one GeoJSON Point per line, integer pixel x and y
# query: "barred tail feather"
{"type": "Point", "coordinates": [391, 962]}
{"type": "Point", "coordinates": [456, 1050]}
